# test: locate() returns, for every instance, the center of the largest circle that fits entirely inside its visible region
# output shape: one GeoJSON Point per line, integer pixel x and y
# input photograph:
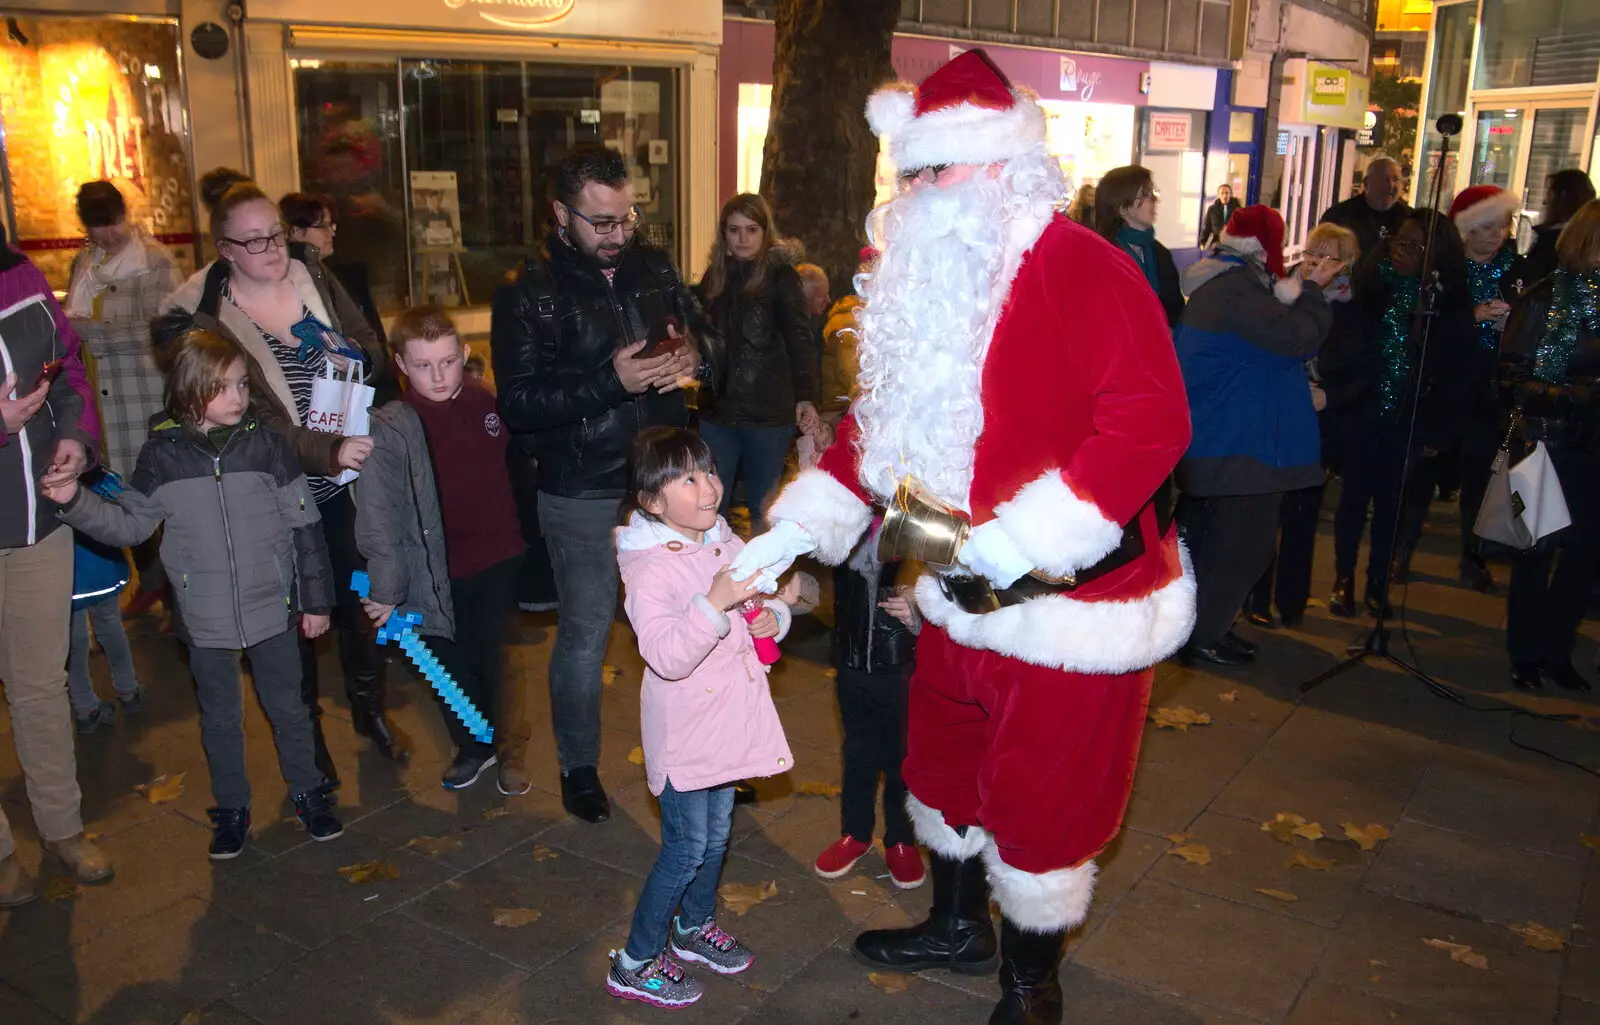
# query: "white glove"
{"type": "Point", "coordinates": [769, 555]}
{"type": "Point", "coordinates": [991, 554]}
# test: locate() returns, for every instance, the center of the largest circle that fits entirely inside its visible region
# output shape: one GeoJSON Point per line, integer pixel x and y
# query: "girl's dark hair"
{"type": "Point", "coordinates": [1564, 193]}
{"type": "Point", "coordinates": [659, 456]}
{"type": "Point", "coordinates": [237, 195]}
{"type": "Point", "coordinates": [100, 205]}
{"type": "Point", "coordinates": [756, 209]}
{"type": "Point", "coordinates": [1121, 187]}
{"type": "Point", "coordinates": [304, 210]}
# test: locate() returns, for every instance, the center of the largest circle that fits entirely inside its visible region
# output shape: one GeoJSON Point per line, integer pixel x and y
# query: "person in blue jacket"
{"type": "Point", "coordinates": [1242, 344]}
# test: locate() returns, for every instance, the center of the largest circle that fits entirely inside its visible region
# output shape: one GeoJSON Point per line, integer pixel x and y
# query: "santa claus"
{"type": "Point", "coordinates": [1020, 368]}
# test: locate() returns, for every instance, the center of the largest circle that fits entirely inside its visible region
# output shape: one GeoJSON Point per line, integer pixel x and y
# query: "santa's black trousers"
{"type": "Point", "coordinates": [1230, 539]}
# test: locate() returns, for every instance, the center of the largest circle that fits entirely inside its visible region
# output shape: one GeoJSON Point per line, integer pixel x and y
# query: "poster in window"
{"type": "Point", "coordinates": [435, 210]}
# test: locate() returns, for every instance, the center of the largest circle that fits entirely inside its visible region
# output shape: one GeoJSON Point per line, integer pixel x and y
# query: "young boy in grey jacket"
{"type": "Point", "coordinates": [246, 558]}
{"type": "Point", "coordinates": [436, 520]}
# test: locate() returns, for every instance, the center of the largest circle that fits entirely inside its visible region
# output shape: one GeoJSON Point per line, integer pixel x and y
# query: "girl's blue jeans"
{"type": "Point", "coordinates": [694, 838]}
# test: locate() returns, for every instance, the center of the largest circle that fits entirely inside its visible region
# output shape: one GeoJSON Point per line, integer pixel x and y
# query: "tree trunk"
{"type": "Point", "coordinates": [820, 160]}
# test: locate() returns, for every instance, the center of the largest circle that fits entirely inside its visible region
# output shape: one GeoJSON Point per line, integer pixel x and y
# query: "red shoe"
{"type": "Point", "coordinates": [905, 865]}
{"type": "Point", "coordinates": [842, 857]}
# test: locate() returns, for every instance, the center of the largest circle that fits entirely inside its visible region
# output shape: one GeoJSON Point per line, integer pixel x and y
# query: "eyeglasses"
{"type": "Point", "coordinates": [1154, 196]}
{"type": "Point", "coordinates": [925, 175]}
{"type": "Point", "coordinates": [327, 226]}
{"type": "Point", "coordinates": [1401, 245]}
{"type": "Point", "coordinates": [257, 246]}
{"type": "Point", "coordinates": [607, 225]}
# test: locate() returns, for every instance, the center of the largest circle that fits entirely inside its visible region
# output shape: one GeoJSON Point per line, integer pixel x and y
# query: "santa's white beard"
{"type": "Point", "coordinates": [929, 316]}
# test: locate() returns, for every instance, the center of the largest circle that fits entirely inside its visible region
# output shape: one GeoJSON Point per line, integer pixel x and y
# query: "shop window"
{"type": "Point", "coordinates": [1538, 43]}
{"type": "Point", "coordinates": [1447, 93]}
{"type": "Point", "coordinates": [1172, 146]}
{"type": "Point", "coordinates": [84, 99]}
{"type": "Point", "coordinates": [1088, 139]}
{"type": "Point", "coordinates": [444, 171]}
{"type": "Point", "coordinates": [755, 110]}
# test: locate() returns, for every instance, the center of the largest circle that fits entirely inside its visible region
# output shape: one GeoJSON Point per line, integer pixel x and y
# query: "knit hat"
{"type": "Point", "coordinates": [964, 113]}
{"type": "Point", "coordinates": [1257, 230]}
{"type": "Point", "coordinates": [1483, 204]}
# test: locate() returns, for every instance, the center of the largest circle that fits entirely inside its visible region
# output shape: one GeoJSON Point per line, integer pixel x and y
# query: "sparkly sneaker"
{"type": "Point", "coordinates": [711, 947]}
{"type": "Point", "coordinates": [660, 981]}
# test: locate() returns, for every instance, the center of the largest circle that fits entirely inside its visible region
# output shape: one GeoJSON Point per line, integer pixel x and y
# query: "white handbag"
{"type": "Point", "coordinates": [1524, 503]}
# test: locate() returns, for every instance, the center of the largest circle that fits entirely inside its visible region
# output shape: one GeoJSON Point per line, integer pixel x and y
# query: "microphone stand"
{"type": "Point", "coordinates": [1376, 643]}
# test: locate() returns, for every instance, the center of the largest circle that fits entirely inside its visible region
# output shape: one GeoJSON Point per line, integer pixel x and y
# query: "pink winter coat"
{"type": "Point", "coordinates": [706, 712]}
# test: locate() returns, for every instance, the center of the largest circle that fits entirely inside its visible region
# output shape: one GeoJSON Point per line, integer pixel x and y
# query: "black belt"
{"type": "Point", "coordinates": [978, 596]}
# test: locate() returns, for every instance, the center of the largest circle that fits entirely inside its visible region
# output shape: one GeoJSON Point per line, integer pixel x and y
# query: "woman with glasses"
{"type": "Point", "coordinates": [754, 298]}
{"type": "Point", "coordinates": [293, 320]}
{"type": "Point", "coordinates": [312, 220]}
{"type": "Point", "coordinates": [1125, 203]}
{"type": "Point", "coordinates": [1378, 464]}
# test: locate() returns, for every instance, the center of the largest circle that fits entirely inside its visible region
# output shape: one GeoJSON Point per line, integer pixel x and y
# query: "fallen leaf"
{"type": "Point", "coordinates": [890, 982]}
{"type": "Point", "coordinates": [636, 756]}
{"type": "Point", "coordinates": [369, 871]}
{"type": "Point", "coordinates": [817, 789]}
{"type": "Point", "coordinates": [1193, 853]}
{"type": "Point", "coordinates": [433, 846]}
{"type": "Point", "coordinates": [514, 918]}
{"type": "Point", "coordinates": [1461, 953]}
{"type": "Point", "coordinates": [1591, 842]}
{"type": "Point", "coordinates": [1180, 837]}
{"type": "Point", "coordinates": [1283, 895]}
{"type": "Point", "coordinates": [496, 813]}
{"type": "Point", "coordinates": [1179, 718]}
{"type": "Point", "coordinates": [1285, 826]}
{"type": "Point", "coordinates": [61, 888]}
{"type": "Point", "coordinates": [741, 897]}
{"type": "Point", "coordinates": [163, 789]}
{"type": "Point", "coordinates": [543, 853]}
{"type": "Point", "coordinates": [1369, 837]}
{"type": "Point", "coordinates": [608, 675]}
{"type": "Point", "coordinates": [1229, 696]}
{"type": "Point", "coordinates": [1538, 937]}
{"type": "Point", "coordinates": [1303, 860]}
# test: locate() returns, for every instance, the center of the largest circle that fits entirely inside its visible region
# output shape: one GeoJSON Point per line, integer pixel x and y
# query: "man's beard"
{"type": "Point", "coordinates": [931, 308]}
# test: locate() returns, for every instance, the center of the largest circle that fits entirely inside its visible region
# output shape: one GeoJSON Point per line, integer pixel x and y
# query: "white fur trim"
{"type": "Point", "coordinates": [1288, 289]}
{"type": "Point", "coordinates": [962, 134]}
{"type": "Point", "coordinates": [891, 108]}
{"type": "Point", "coordinates": [936, 835]}
{"type": "Point", "coordinates": [825, 509]}
{"type": "Point", "coordinates": [1075, 636]}
{"type": "Point", "coordinates": [715, 616]}
{"type": "Point", "coordinates": [1058, 531]}
{"type": "Point", "coordinates": [1040, 902]}
{"type": "Point", "coordinates": [1494, 209]}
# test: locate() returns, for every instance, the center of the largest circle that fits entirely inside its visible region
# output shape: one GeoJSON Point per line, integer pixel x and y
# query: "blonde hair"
{"type": "Point", "coordinates": [1342, 240]}
{"type": "Point", "coordinates": [196, 371]}
{"type": "Point", "coordinates": [1578, 247]}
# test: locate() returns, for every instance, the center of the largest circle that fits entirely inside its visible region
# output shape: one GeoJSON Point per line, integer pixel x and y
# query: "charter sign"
{"type": "Point", "coordinates": [518, 13]}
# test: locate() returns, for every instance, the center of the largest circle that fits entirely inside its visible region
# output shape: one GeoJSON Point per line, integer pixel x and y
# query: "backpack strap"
{"type": "Point", "coordinates": [541, 288]}
{"type": "Point", "coordinates": [661, 266]}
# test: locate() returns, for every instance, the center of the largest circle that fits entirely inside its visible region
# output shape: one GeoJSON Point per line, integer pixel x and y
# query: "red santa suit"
{"type": "Point", "coordinates": [1025, 722]}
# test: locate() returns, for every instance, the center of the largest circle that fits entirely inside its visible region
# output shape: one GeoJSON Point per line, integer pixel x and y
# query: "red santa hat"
{"type": "Point", "coordinates": [1483, 204]}
{"type": "Point", "coordinates": [1257, 230]}
{"type": "Point", "coordinates": [964, 113]}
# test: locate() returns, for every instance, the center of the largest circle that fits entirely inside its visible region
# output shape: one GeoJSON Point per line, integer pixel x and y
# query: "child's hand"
{"type": "Point", "coordinates": [764, 625]}
{"type": "Point", "coordinates": [726, 592]}
{"type": "Point", "coordinates": [377, 612]}
{"type": "Point", "coordinates": [900, 608]}
{"type": "Point", "coordinates": [313, 626]}
{"type": "Point", "coordinates": [61, 494]}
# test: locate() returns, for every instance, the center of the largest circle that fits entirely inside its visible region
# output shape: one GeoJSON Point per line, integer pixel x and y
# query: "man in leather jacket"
{"type": "Point", "coordinates": [566, 338]}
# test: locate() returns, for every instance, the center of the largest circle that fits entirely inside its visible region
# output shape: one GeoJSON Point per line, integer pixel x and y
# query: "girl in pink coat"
{"type": "Point", "coordinates": [707, 714]}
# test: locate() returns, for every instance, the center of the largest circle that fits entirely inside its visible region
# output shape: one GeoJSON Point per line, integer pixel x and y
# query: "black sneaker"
{"type": "Point", "coordinates": [132, 704]}
{"type": "Point", "coordinates": [470, 763]}
{"type": "Point", "coordinates": [315, 812]}
{"type": "Point", "coordinates": [230, 828]}
{"type": "Point", "coordinates": [103, 714]}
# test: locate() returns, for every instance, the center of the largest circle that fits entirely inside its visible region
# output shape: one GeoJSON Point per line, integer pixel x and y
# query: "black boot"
{"type": "Point", "coordinates": [1030, 983]}
{"type": "Point", "coordinates": [309, 697]}
{"type": "Point", "coordinates": [957, 933]}
{"type": "Point", "coordinates": [1342, 602]}
{"type": "Point", "coordinates": [363, 674]}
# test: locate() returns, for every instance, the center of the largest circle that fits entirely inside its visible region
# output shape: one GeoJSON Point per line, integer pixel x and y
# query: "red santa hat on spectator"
{"type": "Point", "coordinates": [1258, 231]}
{"type": "Point", "coordinates": [964, 113]}
{"type": "Point", "coordinates": [1483, 204]}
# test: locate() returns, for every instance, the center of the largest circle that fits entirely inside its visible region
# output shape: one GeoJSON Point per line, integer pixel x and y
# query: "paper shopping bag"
{"type": "Point", "coordinates": [340, 405]}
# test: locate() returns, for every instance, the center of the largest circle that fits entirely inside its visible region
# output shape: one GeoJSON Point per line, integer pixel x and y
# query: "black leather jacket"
{"type": "Point", "coordinates": [868, 639]}
{"type": "Point", "coordinates": [1563, 415]}
{"type": "Point", "coordinates": [553, 333]}
{"type": "Point", "coordinates": [773, 360]}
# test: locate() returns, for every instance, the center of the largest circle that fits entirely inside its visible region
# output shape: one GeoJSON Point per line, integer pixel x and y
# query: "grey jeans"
{"type": "Point", "coordinates": [275, 667]}
{"type": "Point", "coordinates": [107, 619]}
{"type": "Point", "coordinates": [578, 533]}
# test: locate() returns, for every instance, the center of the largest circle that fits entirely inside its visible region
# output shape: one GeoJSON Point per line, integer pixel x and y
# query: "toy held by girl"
{"type": "Point", "coordinates": [246, 557]}
{"type": "Point", "coordinates": [707, 715]}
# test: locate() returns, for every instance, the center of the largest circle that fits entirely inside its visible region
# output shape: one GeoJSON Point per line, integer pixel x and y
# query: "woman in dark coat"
{"type": "Point", "coordinates": [1217, 215]}
{"type": "Point", "coordinates": [1125, 204]}
{"type": "Point", "coordinates": [1564, 193]}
